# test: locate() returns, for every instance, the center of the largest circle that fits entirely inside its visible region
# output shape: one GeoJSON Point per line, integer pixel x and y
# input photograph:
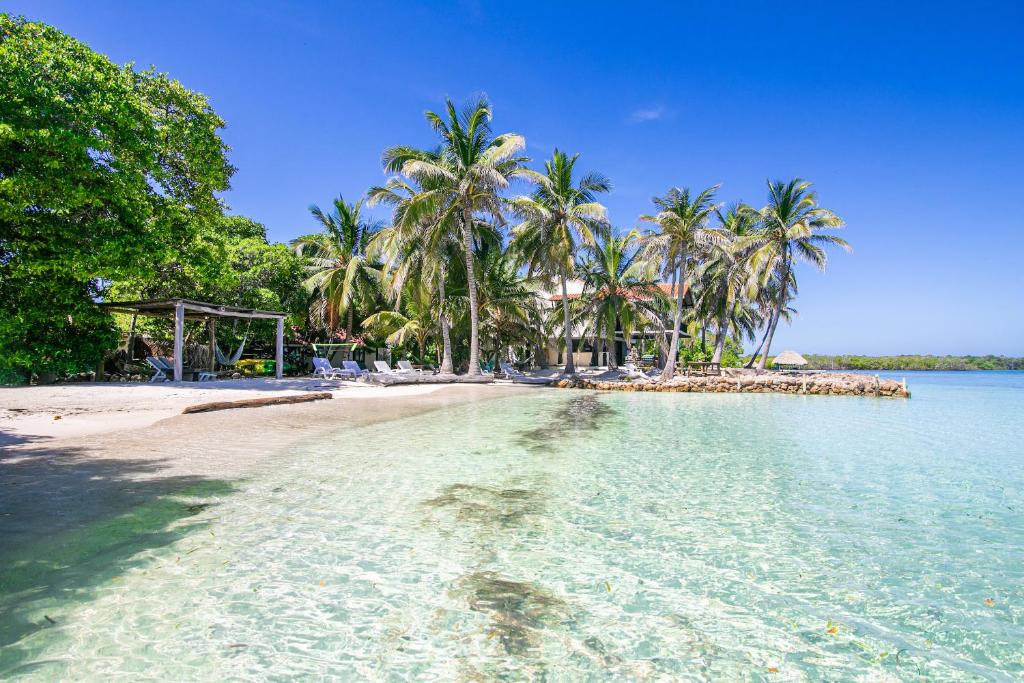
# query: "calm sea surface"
{"type": "Point", "coordinates": [563, 535]}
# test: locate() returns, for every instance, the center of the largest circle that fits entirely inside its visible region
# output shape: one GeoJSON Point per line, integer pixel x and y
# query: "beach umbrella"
{"type": "Point", "coordinates": [791, 358]}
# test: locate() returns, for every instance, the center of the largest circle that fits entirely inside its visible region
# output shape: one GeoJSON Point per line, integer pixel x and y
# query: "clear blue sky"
{"type": "Point", "coordinates": [909, 119]}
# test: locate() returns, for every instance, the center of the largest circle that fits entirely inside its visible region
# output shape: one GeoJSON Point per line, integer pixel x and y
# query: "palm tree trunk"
{"type": "Point", "coordinates": [613, 361]}
{"type": "Point", "coordinates": [673, 350]}
{"type": "Point", "coordinates": [775, 319]}
{"type": "Point", "coordinates": [350, 323]}
{"type": "Point", "coordinates": [474, 322]}
{"type": "Point", "coordinates": [570, 367]}
{"type": "Point", "coordinates": [723, 329]}
{"type": "Point", "coordinates": [446, 358]}
{"type": "Point", "coordinates": [753, 356]}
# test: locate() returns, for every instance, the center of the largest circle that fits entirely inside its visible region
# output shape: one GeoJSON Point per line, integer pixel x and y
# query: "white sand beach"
{"type": "Point", "coordinates": [67, 411]}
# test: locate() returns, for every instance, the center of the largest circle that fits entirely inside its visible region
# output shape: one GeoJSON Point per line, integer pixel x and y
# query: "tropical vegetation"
{"type": "Point", "coordinates": [464, 257]}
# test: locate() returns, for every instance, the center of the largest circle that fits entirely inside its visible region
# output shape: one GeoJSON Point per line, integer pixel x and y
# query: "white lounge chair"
{"type": "Point", "coordinates": [383, 367]}
{"type": "Point", "coordinates": [159, 370]}
{"type": "Point", "coordinates": [323, 368]}
{"type": "Point", "coordinates": [519, 378]}
{"type": "Point", "coordinates": [352, 368]}
{"type": "Point", "coordinates": [633, 372]}
{"type": "Point", "coordinates": [406, 367]}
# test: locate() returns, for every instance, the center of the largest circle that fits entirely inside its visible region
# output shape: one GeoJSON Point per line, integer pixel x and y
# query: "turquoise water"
{"type": "Point", "coordinates": [563, 535]}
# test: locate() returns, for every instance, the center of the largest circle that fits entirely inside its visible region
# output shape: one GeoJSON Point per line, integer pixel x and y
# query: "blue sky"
{"type": "Point", "coordinates": [909, 118]}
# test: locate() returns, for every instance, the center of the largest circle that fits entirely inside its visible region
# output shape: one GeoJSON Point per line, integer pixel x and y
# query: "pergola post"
{"type": "Point", "coordinates": [213, 344]}
{"type": "Point", "coordinates": [279, 348]}
{"type": "Point", "coordinates": [179, 334]}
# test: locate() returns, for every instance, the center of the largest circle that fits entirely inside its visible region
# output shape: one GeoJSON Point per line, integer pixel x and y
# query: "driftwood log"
{"type": "Point", "coordinates": [257, 402]}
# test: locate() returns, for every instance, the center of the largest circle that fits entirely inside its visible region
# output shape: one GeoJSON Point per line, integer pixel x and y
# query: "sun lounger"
{"type": "Point", "coordinates": [323, 368]}
{"type": "Point", "coordinates": [384, 368]}
{"type": "Point", "coordinates": [352, 368]}
{"type": "Point", "coordinates": [406, 366]}
{"type": "Point", "coordinates": [633, 372]}
{"type": "Point", "coordinates": [519, 378]}
{"type": "Point", "coordinates": [159, 370]}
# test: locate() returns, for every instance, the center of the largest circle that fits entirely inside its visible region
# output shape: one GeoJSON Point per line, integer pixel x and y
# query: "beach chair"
{"type": "Point", "coordinates": [350, 367]}
{"type": "Point", "coordinates": [519, 378]}
{"type": "Point", "coordinates": [323, 368]}
{"type": "Point", "coordinates": [633, 372]}
{"type": "Point", "coordinates": [383, 367]}
{"type": "Point", "coordinates": [160, 370]}
{"type": "Point", "coordinates": [406, 367]}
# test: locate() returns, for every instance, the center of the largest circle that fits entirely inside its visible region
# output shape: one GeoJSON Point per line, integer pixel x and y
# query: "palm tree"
{"type": "Point", "coordinates": [682, 232]}
{"type": "Point", "coordinates": [336, 259]}
{"type": "Point", "coordinates": [413, 323]}
{"type": "Point", "coordinates": [726, 282]}
{"type": "Point", "coordinates": [507, 303]}
{"type": "Point", "coordinates": [420, 245]}
{"type": "Point", "coordinates": [469, 170]}
{"type": "Point", "coordinates": [620, 287]}
{"type": "Point", "coordinates": [789, 226]}
{"type": "Point", "coordinates": [556, 218]}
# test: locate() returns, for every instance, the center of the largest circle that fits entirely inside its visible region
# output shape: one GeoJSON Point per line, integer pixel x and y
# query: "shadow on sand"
{"type": "Point", "coordinates": [70, 523]}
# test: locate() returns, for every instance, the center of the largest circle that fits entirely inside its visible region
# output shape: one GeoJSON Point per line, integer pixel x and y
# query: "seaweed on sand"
{"type": "Point", "coordinates": [519, 611]}
{"type": "Point", "coordinates": [581, 414]}
{"type": "Point", "coordinates": [486, 506]}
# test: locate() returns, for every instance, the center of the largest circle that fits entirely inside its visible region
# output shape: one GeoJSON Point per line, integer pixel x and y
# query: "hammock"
{"type": "Point", "coordinates": [226, 361]}
{"type": "Point", "coordinates": [232, 360]}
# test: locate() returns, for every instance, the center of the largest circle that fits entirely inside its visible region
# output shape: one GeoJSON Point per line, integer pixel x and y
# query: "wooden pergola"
{"type": "Point", "coordinates": [187, 309]}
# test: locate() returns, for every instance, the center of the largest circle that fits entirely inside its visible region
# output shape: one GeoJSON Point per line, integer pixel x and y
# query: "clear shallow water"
{"type": "Point", "coordinates": [573, 535]}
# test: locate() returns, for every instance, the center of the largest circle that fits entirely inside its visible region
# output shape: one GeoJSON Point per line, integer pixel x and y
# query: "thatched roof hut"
{"type": "Point", "coordinates": [790, 359]}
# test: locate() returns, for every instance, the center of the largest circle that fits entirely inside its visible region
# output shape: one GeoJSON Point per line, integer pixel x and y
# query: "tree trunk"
{"type": "Point", "coordinates": [350, 322]}
{"type": "Point", "coordinates": [446, 358]}
{"type": "Point", "coordinates": [613, 361]}
{"type": "Point", "coordinates": [474, 323]}
{"type": "Point", "coordinates": [570, 367]}
{"type": "Point", "coordinates": [131, 338]}
{"type": "Point", "coordinates": [673, 350]}
{"type": "Point", "coordinates": [775, 319]}
{"type": "Point", "coordinates": [753, 356]}
{"type": "Point", "coordinates": [720, 339]}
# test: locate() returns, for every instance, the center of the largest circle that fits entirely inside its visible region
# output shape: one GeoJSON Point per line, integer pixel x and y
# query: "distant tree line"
{"type": "Point", "coordinates": [914, 362]}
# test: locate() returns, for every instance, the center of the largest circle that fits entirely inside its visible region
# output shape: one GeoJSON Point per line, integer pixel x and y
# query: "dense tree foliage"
{"type": "Point", "coordinates": [105, 173]}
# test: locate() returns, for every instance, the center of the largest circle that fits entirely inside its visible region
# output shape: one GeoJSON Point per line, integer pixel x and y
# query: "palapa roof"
{"type": "Point", "coordinates": [789, 358]}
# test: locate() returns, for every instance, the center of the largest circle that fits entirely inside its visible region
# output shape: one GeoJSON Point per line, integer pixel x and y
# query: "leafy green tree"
{"type": "Point", "coordinates": [789, 227]}
{"type": "Point", "coordinates": [471, 168]}
{"type": "Point", "coordinates": [683, 234]}
{"type": "Point", "coordinates": [338, 266]}
{"type": "Point", "coordinates": [557, 218]}
{"type": "Point", "coordinates": [103, 171]}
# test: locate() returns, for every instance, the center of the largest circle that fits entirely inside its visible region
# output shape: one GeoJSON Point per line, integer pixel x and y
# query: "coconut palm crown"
{"type": "Point", "coordinates": [683, 234]}
{"type": "Point", "coordinates": [789, 227]}
{"type": "Point", "coordinates": [468, 171]}
{"type": "Point", "coordinates": [336, 259]}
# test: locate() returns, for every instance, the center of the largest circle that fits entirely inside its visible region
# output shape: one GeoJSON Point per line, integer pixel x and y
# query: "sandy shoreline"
{"type": "Point", "coordinates": [67, 411]}
{"type": "Point", "coordinates": [118, 448]}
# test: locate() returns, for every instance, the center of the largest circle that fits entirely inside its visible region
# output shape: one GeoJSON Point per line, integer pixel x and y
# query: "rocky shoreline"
{"type": "Point", "coordinates": [751, 382]}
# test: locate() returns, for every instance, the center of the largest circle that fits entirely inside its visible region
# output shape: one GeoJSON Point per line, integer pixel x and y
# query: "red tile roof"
{"type": "Point", "coordinates": [667, 288]}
